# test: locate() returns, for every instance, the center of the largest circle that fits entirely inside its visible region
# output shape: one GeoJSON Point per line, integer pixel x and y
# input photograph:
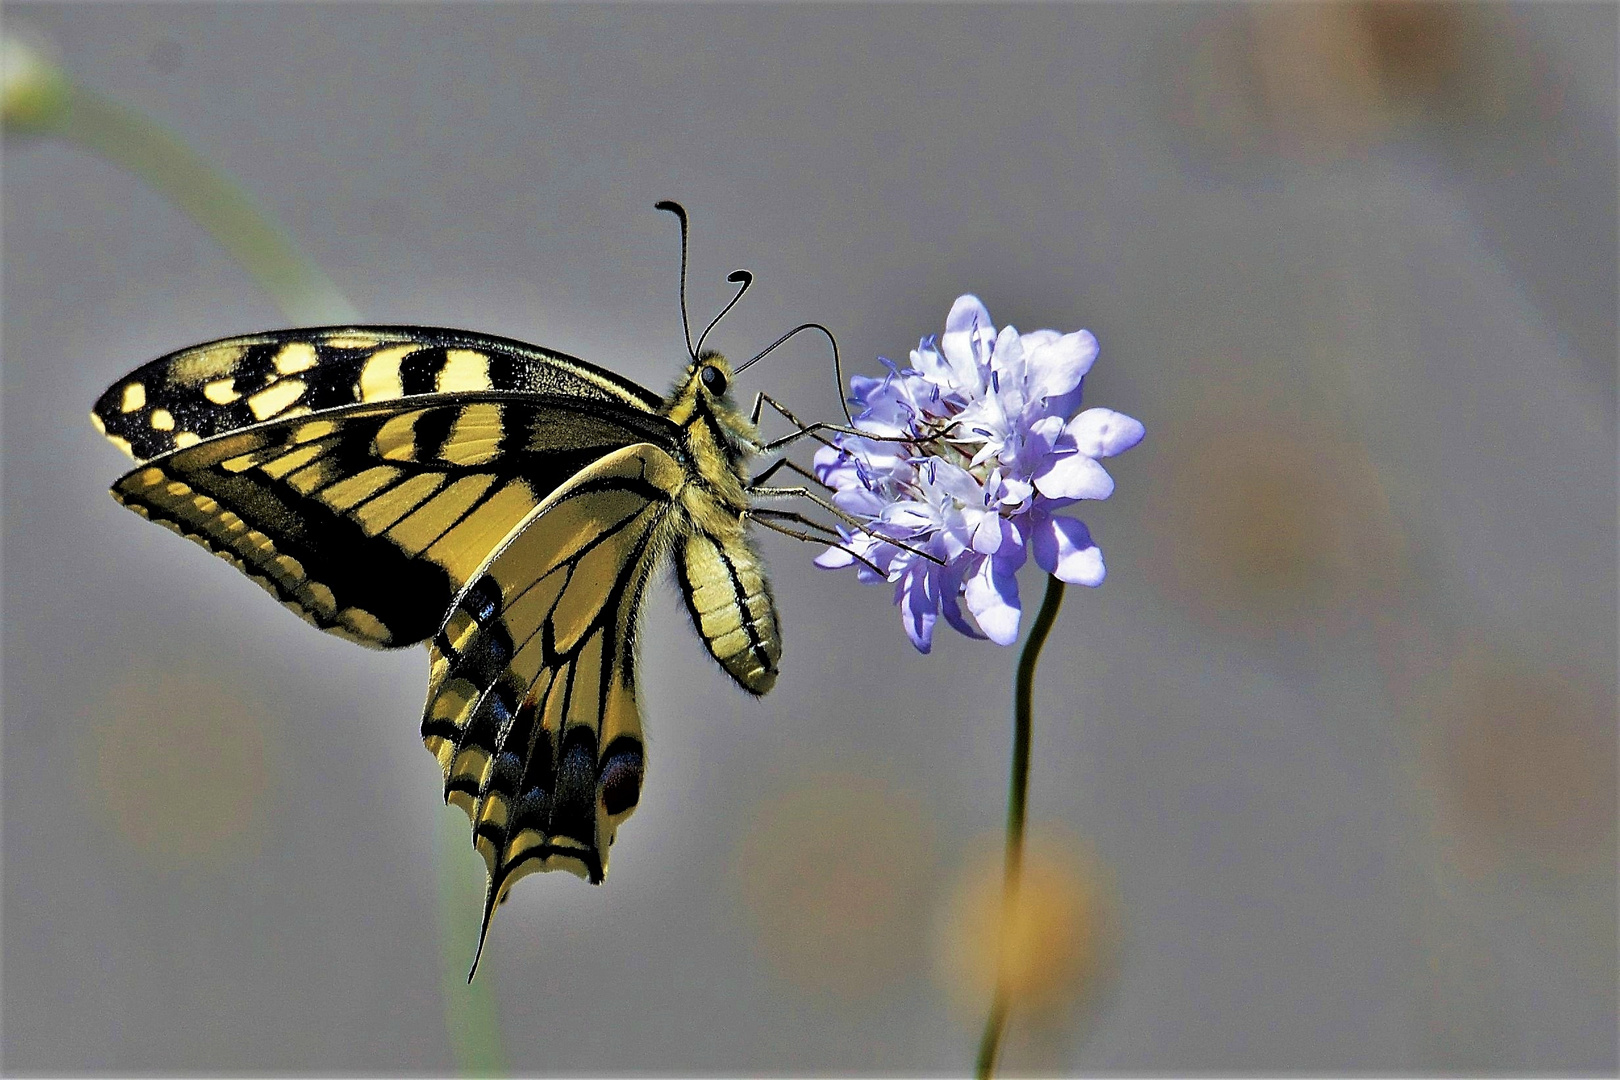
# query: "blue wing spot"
{"type": "Point", "coordinates": [622, 769]}
{"type": "Point", "coordinates": [574, 812]}
{"type": "Point", "coordinates": [482, 600]}
{"type": "Point", "coordinates": [486, 657]}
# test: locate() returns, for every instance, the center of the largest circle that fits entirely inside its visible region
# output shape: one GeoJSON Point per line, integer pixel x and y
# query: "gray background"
{"type": "Point", "coordinates": [1357, 816]}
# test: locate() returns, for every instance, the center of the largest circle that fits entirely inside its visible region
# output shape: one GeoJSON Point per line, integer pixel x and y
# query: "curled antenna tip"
{"type": "Point", "coordinates": [736, 277]}
{"type": "Point", "coordinates": [680, 212]}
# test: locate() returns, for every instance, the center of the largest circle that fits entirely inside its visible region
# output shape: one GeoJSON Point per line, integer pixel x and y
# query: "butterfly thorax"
{"type": "Point", "coordinates": [719, 439]}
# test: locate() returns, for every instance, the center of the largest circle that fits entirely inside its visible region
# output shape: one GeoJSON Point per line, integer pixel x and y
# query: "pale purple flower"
{"type": "Point", "coordinates": [988, 455]}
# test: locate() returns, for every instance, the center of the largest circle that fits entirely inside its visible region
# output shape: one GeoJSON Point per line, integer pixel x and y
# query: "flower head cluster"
{"type": "Point", "coordinates": [974, 457]}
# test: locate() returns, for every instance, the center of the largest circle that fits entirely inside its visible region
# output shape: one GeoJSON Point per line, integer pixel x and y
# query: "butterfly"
{"type": "Point", "coordinates": [504, 503]}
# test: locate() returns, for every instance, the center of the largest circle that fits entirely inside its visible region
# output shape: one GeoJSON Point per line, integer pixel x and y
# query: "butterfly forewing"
{"type": "Point", "coordinates": [180, 399]}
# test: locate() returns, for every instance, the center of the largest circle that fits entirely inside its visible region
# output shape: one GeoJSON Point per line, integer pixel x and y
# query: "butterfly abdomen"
{"type": "Point", "coordinates": [731, 606]}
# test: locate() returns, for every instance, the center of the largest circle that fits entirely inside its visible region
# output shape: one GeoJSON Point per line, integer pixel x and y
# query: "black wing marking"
{"type": "Point", "coordinates": [368, 520]}
{"type": "Point", "coordinates": [191, 395]}
{"type": "Point", "coordinates": [531, 705]}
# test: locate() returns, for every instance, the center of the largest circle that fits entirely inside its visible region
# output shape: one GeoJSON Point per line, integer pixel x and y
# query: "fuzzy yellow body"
{"type": "Point", "coordinates": [720, 573]}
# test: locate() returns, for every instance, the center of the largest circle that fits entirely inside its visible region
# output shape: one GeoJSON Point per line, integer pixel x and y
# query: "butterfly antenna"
{"type": "Point", "coordinates": [679, 211]}
{"type": "Point", "coordinates": [838, 367]}
{"type": "Point", "coordinates": [736, 276]}
{"type": "Point", "coordinates": [483, 931]}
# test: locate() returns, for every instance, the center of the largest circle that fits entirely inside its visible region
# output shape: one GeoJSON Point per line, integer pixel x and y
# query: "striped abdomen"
{"type": "Point", "coordinates": [731, 607]}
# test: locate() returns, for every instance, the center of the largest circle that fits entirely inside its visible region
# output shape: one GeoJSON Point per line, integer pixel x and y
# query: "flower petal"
{"type": "Point", "coordinates": [1009, 373]}
{"type": "Point", "coordinates": [1103, 433]}
{"type": "Point", "coordinates": [952, 610]}
{"type": "Point", "coordinates": [862, 387]}
{"type": "Point", "coordinates": [919, 608]}
{"type": "Point", "coordinates": [967, 341]}
{"type": "Point", "coordinates": [1064, 548]}
{"type": "Point", "coordinates": [1013, 551]}
{"type": "Point", "coordinates": [991, 593]}
{"type": "Point", "coordinates": [987, 532]}
{"type": "Point", "coordinates": [927, 362]}
{"type": "Point", "coordinates": [1057, 366]}
{"type": "Point", "coordinates": [1016, 492]}
{"type": "Point", "coordinates": [859, 501]}
{"type": "Point", "coordinates": [1044, 434]}
{"type": "Point", "coordinates": [1074, 476]}
{"type": "Point", "coordinates": [834, 559]}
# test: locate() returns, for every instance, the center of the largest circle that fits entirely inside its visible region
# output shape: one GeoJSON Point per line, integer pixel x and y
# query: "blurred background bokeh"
{"type": "Point", "coordinates": [1324, 775]}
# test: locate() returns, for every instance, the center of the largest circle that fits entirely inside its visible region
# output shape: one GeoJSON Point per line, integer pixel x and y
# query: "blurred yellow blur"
{"type": "Point", "coordinates": [1062, 938]}
{"type": "Point", "coordinates": [178, 765]}
{"type": "Point", "coordinates": [833, 874]}
{"type": "Point", "coordinates": [1522, 753]}
{"type": "Point", "coordinates": [1318, 82]}
{"type": "Point", "coordinates": [1268, 525]}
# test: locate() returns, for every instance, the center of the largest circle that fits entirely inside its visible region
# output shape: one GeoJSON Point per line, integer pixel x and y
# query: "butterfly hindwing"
{"type": "Point", "coordinates": [531, 705]}
{"type": "Point", "coordinates": [367, 520]}
{"type": "Point", "coordinates": [191, 395]}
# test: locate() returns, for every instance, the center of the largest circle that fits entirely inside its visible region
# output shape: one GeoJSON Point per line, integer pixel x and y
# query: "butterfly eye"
{"type": "Point", "coordinates": [714, 380]}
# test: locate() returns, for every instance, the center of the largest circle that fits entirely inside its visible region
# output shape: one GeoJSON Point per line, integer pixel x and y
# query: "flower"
{"type": "Point", "coordinates": [974, 454]}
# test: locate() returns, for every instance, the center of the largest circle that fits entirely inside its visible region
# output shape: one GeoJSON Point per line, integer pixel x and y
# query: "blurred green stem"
{"type": "Point", "coordinates": [1017, 802]}
{"type": "Point", "coordinates": [469, 1008]}
{"type": "Point", "coordinates": [51, 104]}
{"type": "Point", "coordinates": [232, 217]}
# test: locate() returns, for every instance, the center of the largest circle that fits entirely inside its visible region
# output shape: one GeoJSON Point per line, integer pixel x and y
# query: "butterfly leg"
{"type": "Point", "coordinates": [806, 493]}
{"type": "Point", "coordinates": [756, 486]}
{"type": "Point", "coordinates": [792, 466]}
{"type": "Point", "coordinates": [765, 516]}
{"type": "Point", "coordinates": [794, 516]}
{"type": "Point", "coordinates": [853, 522]}
{"type": "Point", "coordinates": [761, 399]}
{"type": "Point", "coordinates": [814, 430]}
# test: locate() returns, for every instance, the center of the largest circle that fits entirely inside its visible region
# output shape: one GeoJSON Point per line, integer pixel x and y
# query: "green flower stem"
{"type": "Point", "coordinates": [469, 1008]}
{"type": "Point", "coordinates": [203, 193]}
{"type": "Point", "coordinates": [1017, 803]}
{"type": "Point", "coordinates": [51, 104]}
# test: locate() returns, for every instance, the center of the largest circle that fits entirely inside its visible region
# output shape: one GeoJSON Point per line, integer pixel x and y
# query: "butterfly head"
{"type": "Point", "coordinates": [701, 405]}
